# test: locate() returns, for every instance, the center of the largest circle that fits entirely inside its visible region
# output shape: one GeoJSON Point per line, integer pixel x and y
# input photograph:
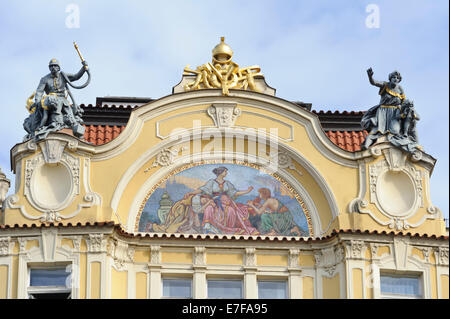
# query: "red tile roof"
{"type": "Point", "coordinates": [101, 134]}
{"type": "Point", "coordinates": [347, 140]}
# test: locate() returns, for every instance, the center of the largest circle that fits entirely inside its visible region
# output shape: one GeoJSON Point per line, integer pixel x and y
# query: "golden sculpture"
{"type": "Point", "coordinates": [222, 72]}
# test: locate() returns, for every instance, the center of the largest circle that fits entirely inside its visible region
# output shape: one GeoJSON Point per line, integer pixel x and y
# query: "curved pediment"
{"type": "Point", "coordinates": [261, 109]}
{"type": "Point", "coordinates": [183, 131]}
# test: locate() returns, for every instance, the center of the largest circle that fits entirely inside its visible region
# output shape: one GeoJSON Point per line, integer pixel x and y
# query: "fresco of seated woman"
{"type": "Point", "coordinates": [221, 214]}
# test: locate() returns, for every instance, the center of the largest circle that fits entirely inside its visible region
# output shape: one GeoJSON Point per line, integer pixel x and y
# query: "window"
{"type": "Point", "coordinates": [400, 286]}
{"type": "Point", "coordinates": [50, 282]}
{"type": "Point", "coordinates": [229, 289]}
{"type": "Point", "coordinates": [272, 289]}
{"type": "Point", "coordinates": [177, 288]}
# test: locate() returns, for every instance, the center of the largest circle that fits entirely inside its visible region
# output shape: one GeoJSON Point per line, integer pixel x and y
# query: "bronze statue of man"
{"type": "Point", "coordinates": [51, 110]}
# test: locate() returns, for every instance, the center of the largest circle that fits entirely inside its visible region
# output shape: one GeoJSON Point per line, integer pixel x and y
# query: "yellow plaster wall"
{"type": "Point", "coordinates": [83, 245]}
{"type": "Point", "coordinates": [4, 281]}
{"type": "Point", "coordinates": [31, 244]}
{"type": "Point", "coordinates": [434, 279]}
{"type": "Point", "coordinates": [444, 287]}
{"type": "Point", "coordinates": [417, 252]}
{"type": "Point", "coordinates": [176, 257]}
{"type": "Point", "coordinates": [142, 256]}
{"type": "Point", "coordinates": [331, 287]}
{"type": "Point", "coordinates": [95, 279]}
{"type": "Point", "coordinates": [119, 284]}
{"type": "Point", "coordinates": [224, 259]}
{"type": "Point", "coordinates": [16, 248]}
{"type": "Point", "coordinates": [433, 275]}
{"type": "Point", "coordinates": [15, 276]}
{"type": "Point", "coordinates": [382, 250]}
{"type": "Point", "coordinates": [271, 260]}
{"type": "Point", "coordinates": [358, 287]}
{"type": "Point", "coordinates": [306, 260]}
{"type": "Point", "coordinates": [141, 285]}
{"type": "Point", "coordinates": [308, 287]}
{"type": "Point", "coordinates": [67, 242]}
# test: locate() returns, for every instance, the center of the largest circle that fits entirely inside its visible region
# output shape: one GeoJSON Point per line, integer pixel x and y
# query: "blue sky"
{"type": "Point", "coordinates": [311, 51]}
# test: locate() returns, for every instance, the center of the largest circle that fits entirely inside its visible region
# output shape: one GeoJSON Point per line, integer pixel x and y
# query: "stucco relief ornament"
{"type": "Point", "coordinates": [329, 258]}
{"type": "Point", "coordinates": [155, 254]}
{"type": "Point", "coordinates": [50, 110]}
{"type": "Point", "coordinates": [293, 258]}
{"type": "Point", "coordinates": [22, 245]}
{"type": "Point", "coordinates": [393, 118]}
{"type": "Point", "coordinates": [393, 174]}
{"type": "Point", "coordinates": [200, 256]}
{"type": "Point", "coordinates": [4, 246]}
{"type": "Point", "coordinates": [165, 157]}
{"type": "Point", "coordinates": [224, 115]}
{"type": "Point", "coordinates": [121, 254]}
{"type": "Point", "coordinates": [443, 256]}
{"type": "Point", "coordinates": [374, 250]}
{"type": "Point", "coordinates": [285, 161]}
{"type": "Point", "coordinates": [50, 216]}
{"type": "Point", "coordinates": [96, 243]}
{"type": "Point", "coordinates": [356, 248]}
{"type": "Point", "coordinates": [250, 256]}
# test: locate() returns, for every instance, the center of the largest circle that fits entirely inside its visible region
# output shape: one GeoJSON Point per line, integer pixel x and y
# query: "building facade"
{"type": "Point", "coordinates": [220, 190]}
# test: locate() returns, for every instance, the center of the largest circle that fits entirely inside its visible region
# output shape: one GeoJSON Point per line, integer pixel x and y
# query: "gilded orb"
{"type": "Point", "coordinates": [222, 52]}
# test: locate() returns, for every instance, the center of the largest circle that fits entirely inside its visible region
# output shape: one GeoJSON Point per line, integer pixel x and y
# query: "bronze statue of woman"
{"type": "Point", "coordinates": [384, 118]}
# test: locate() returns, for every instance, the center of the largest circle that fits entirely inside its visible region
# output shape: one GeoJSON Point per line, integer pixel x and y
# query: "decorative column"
{"type": "Point", "coordinates": [200, 285]}
{"type": "Point", "coordinates": [355, 265]}
{"type": "Point", "coordinates": [250, 280]}
{"type": "Point", "coordinates": [155, 272]}
{"type": "Point", "coordinates": [295, 280]}
{"type": "Point", "coordinates": [97, 254]}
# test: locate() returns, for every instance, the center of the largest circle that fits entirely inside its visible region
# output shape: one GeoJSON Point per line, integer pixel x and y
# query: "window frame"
{"type": "Point", "coordinates": [284, 280]}
{"type": "Point", "coordinates": [31, 290]}
{"type": "Point", "coordinates": [177, 278]}
{"type": "Point", "coordinates": [416, 275]}
{"type": "Point", "coordinates": [225, 280]}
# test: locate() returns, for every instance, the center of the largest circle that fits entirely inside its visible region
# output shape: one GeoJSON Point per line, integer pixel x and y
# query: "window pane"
{"type": "Point", "coordinates": [177, 288]}
{"type": "Point", "coordinates": [400, 285]}
{"type": "Point", "coordinates": [231, 289]}
{"type": "Point", "coordinates": [272, 289]}
{"type": "Point", "coordinates": [48, 277]}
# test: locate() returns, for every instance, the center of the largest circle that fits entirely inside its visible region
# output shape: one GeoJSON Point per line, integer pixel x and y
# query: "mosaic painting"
{"type": "Point", "coordinates": [224, 199]}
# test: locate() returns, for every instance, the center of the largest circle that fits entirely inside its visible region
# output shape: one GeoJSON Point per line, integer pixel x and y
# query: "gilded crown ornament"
{"type": "Point", "coordinates": [222, 72]}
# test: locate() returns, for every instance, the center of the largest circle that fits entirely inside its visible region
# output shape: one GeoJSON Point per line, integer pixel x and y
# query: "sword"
{"type": "Point", "coordinates": [79, 53]}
